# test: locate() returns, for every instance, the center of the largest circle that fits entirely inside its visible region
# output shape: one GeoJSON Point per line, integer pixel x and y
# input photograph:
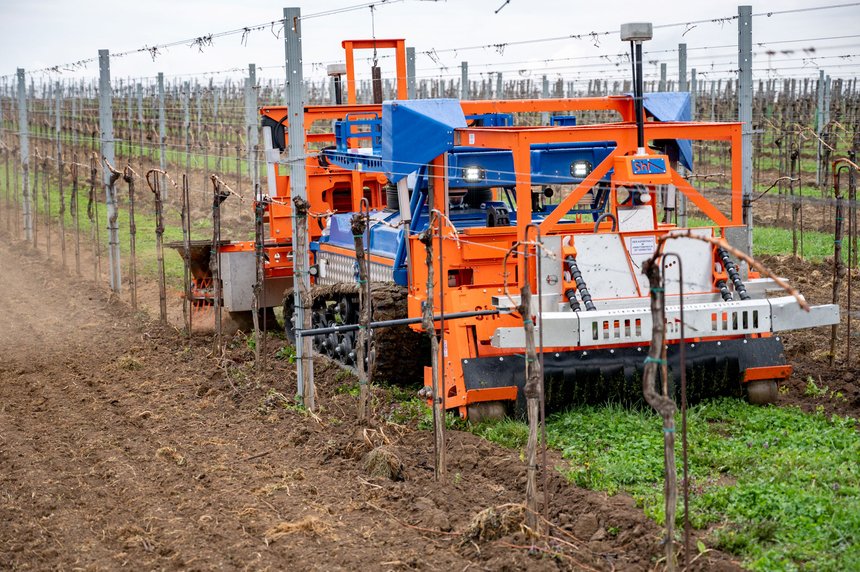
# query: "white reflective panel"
{"type": "Point", "coordinates": [603, 262]}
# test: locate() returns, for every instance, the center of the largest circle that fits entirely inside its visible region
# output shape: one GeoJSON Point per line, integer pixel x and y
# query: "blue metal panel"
{"type": "Point", "coordinates": [416, 131]}
{"type": "Point", "coordinates": [672, 106]}
{"type": "Point", "coordinates": [490, 120]}
{"type": "Point", "coordinates": [381, 239]}
{"type": "Point", "coordinates": [550, 164]}
{"type": "Point", "coordinates": [339, 231]}
{"type": "Point", "coordinates": [344, 131]}
{"type": "Point", "coordinates": [563, 120]}
{"type": "Point", "coordinates": [668, 105]}
{"type": "Point", "coordinates": [353, 160]}
{"type": "Point", "coordinates": [384, 239]}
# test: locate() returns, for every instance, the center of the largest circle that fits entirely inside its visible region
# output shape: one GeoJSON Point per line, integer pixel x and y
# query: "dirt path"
{"type": "Point", "coordinates": [121, 445]}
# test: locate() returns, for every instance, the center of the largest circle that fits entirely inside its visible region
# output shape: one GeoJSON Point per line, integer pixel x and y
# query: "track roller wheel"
{"type": "Point", "coordinates": [762, 392]}
{"type": "Point", "coordinates": [319, 320]}
{"type": "Point", "coordinates": [487, 411]}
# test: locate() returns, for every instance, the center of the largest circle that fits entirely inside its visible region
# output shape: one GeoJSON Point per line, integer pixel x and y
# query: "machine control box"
{"type": "Point", "coordinates": [644, 169]}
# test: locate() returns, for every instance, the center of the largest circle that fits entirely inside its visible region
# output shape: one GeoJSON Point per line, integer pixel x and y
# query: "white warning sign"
{"type": "Point", "coordinates": [642, 245]}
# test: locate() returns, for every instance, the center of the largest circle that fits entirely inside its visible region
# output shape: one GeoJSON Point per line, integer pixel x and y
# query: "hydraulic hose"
{"type": "Point", "coordinates": [603, 217]}
{"type": "Point", "coordinates": [580, 282]}
{"type": "Point", "coordinates": [724, 291]}
{"type": "Point", "coordinates": [733, 273]}
{"type": "Point", "coordinates": [570, 293]}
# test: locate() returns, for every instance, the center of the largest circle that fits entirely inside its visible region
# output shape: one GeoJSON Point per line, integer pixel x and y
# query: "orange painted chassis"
{"type": "Point", "coordinates": [480, 250]}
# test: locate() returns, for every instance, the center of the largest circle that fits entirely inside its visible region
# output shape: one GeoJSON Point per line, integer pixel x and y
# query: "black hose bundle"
{"type": "Point", "coordinates": [733, 273]}
{"type": "Point", "coordinates": [724, 291]}
{"type": "Point", "coordinates": [571, 298]}
{"type": "Point", "coordinates": [580, 283]}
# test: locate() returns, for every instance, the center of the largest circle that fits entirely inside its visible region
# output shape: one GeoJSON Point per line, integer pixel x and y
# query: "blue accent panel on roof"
{"type": "Point", "coordinates": [416, 131]}
{"type": "Point", "coordinates": [672, 106]}
{"type": "Point", "coordinates": [668, 105]}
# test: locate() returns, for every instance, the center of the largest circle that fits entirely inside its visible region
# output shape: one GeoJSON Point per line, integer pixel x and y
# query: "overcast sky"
{"type": "Point", "coordinates": [43, 33]}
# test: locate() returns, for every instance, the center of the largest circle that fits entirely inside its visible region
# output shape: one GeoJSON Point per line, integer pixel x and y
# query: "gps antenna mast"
{"type": "Point", "coordinates": [636, 33]}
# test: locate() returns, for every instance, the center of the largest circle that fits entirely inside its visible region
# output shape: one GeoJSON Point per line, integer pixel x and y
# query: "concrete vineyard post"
{"type": "Point", "coordinates": [296, 163]}
{"type": "Point", "coordinates": [107, 153]}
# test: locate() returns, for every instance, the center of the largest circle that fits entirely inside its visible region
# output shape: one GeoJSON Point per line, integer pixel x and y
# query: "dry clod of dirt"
{"type": "Point", "coordinates": [283, 484]}
{"type": "Point", "coordinates": [384, 462]}
{"type": "Point", "coordinates": [432, 516]}
{"type": "Point", "coordinates": [496, 522]}
{"type": "Point", "coordinates": [129, 363]}
{"type": "Point", "coordinates": [586, 526]}
{"type": "Point", "coordinates": [170, 454]}
{"type": "Point", "coordinates": [309, 524]}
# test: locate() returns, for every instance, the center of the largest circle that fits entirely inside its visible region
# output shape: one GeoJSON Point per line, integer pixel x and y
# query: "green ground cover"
{"type": "Point", "coordinates": [778, 487]}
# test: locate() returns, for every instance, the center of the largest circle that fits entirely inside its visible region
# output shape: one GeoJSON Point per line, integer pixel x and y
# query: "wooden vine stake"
{"type": "Point", "coordinates": [218, 197]}
{"type": "Point", "coordinates": [93, 215]}
{"type": "Point", "coordinates": [8, 189]}
{"type": "Point", "coordinates": [128, 177]}
{"type": "Point", "coordinates": [62, 207]}
{"type": "Point", "coordinates": [76, 214]}
{"type": "Point", "coordinates": [839, 269]}
{"type": "Point", "coordinates": [185, 214]}
{"type": "Point", "coordinates": [359, 225]}
{"type": "Point", "coordinates": [440, 457]}
{"type": "Point", "coordinates": [17, 196]}
{"type": "Point", "coordinates": [114, 177]}
{"type": "Point", "coordinates": [532, 392]}
{"type": "Point", "coordinates": [46, 197]}
{"type": "Point", "coordinates": [655, 363]}
{"type": "Point", "coordinates": [34, 200]}
{"type": "Point", "coordinates": [662, 402]}
{"type": "Point", "coordinates": [260, 274]}
{"type": "Point", "coordinates": [155, 187]}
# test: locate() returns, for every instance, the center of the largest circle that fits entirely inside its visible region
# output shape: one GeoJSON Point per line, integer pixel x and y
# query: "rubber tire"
{"type": "Point", "coordinates": [762, 392]}
{"type": "Point", "coordinates": [486, 411]}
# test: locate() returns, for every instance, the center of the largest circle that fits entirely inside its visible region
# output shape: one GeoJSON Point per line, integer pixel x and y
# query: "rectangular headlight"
{"type": "Point", "coordinates": [473, 174]}
{"type": "Point", "coordinates": [580, 169]}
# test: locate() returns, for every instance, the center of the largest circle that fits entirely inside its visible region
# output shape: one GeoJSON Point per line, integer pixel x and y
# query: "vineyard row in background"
{"type": "Point", "coordinates": [185, 128]}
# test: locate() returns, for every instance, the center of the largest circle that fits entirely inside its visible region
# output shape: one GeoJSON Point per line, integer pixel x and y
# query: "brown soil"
{"type": "Point", "coordinates": [124, 445]}
{"type": "Point", "coordinates": [809, 350]}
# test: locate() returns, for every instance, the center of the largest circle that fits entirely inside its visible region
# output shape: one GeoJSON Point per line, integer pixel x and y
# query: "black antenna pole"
{"type": "Point", "coordinates": [640, 98]}
{"type": "Point", "coordinates": [636, 33]}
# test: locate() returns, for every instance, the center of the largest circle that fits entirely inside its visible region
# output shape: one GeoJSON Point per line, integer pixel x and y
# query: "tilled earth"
{"type": "Point", "coordinates": [836, 386]}
{"type": "Point", "coordinates": [124, 445]}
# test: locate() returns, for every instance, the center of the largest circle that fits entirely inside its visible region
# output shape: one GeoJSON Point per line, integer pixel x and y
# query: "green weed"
{"type": "Point", "coordinates": [287, 353]}
{"type": "Point", "coordinates": [812, 389]}
{"type": "Point", "coordinates": [508, 433]}
{"type": "Point", "coordinates": [351, 388]}
{"type": "Point", "coordinates": [409, 411]}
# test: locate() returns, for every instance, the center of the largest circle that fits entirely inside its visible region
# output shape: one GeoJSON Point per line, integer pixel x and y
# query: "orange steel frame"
{"type": "Point", "coordinates": [324, 183]}
{"type": "Point", "coordinates": [481, 250]}
{"type": "Point", "coordinates": [398, 45]}
{"type": "Point", "coordinates": [326, 186]}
